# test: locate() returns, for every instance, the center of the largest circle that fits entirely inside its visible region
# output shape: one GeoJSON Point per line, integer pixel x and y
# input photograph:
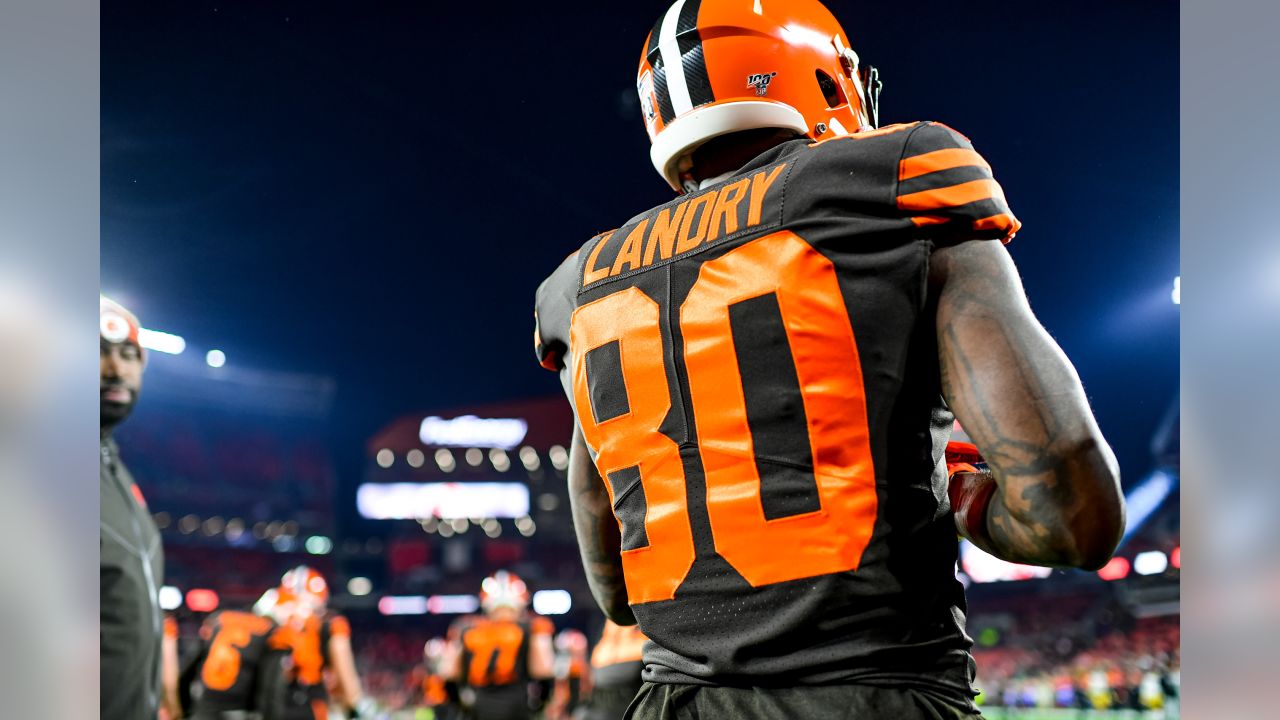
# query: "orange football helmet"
{"type": "Point", "coordinates": [713, 67]}
{"type": "Point", "coordinates": [503, 590]}
{"type": "Point", "coordinates": [305, 588]}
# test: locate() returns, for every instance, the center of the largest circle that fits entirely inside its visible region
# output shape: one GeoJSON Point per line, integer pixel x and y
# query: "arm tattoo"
{"type": "Point", "coordinates": [599, 540]}
{"type": "Point", "coordinates": [1023, 406]}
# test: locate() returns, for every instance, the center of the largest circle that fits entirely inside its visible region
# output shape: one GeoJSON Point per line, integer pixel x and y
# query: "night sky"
{"type": "Point", "coordinates": [372, 193]}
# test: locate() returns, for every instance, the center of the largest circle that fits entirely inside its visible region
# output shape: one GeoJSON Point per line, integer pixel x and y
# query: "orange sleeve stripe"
{"type": "Point", "coordinates": [942, 198]}
{"type": "Point", "coordinates": [940, 160]}
{"type": "Point", "coordinates": [929, 220]}
{"type": "Point", "coordinates": [1004, 221]}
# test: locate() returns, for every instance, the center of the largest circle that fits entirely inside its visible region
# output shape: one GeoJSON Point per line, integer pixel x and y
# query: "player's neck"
{"type": "Point", "coordinates": [725, 155]}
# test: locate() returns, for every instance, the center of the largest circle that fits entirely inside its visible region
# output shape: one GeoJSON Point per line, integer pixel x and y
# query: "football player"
{"type": "Point", "coordinates": [320, 642]}
{"type": "Point", "coordinates": [616, 664]}
{"type": "Point", "coordinates": [237, 670]}
{"type": "Point", "coordinates": [764, 373]}
{"type": "Point", "coordinates": [573, 681]}
{"type": "Point", "coordinates": [170, 669]}
{"type": "Point", "coordinates": [439, 695]}
{"type": "Point", "coordinates": [494, 658]}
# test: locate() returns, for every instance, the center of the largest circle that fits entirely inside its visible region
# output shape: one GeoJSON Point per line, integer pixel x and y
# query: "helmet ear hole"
{"type": "Point", "coordinates": [830, 89]}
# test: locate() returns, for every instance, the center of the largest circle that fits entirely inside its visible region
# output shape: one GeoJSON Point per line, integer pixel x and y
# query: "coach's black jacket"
{"type": "Point", "coordinates": [132, 568]}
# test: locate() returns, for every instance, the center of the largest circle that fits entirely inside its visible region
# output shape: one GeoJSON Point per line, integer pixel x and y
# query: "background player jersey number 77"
{"type": "Point", "coordinates": [782, 268]}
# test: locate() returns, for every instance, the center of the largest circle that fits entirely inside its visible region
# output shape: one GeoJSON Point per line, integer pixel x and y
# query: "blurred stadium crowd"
{"type": "Point", "coordinates": [238, 503]}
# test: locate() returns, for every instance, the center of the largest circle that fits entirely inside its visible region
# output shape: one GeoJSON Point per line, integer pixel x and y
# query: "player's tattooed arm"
{"type": "Point", "coordinates": [1057, 499]}
{"type": "Point", "coordinates": [599, 539]}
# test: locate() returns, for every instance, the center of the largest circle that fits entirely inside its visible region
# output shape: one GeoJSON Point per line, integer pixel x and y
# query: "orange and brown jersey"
{"type": "Point", "coordinates": [236, 654]}
{"type": "Point", "coordinates": [308, 641]}
{"type": "Point", "coordinates": [495, 653]}
{"type": "Point", "coordinates": [616, 658]}
{"type": "Point", "coordinates": [754, 367]}
{"type": "Point", "coordinates": [433, 690]}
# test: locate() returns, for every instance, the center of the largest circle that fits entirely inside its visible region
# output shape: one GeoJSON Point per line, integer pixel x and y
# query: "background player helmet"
{"type": "Point", "coordinates": [268, 604]}
{"type": "Point", "coordinates": [713, 67]}
{"type": "Point", "coordinates": [569, 640]}
{"type": "Point", "coordinates": [306, 588]}
{"type": "Point", "coordinates": [503, 590]}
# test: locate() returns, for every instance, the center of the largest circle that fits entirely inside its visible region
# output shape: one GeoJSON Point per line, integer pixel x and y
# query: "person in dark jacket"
{"type": "Point", "coordinates": [132, 560]}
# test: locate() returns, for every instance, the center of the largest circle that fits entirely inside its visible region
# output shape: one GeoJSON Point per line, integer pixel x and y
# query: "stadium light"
{"type": "Point", "coordinates": [472, 431]}
{"type": "Point", "coordinates": [452, 604]}
{"type": "Point", "coordinates": [403, 605]}
{"type": "Point", "coordinates": [445, 460]}
{"type": "Point", "coordinates": [1117, 568]}
{"type": "Point", "coordinates": [1177, 290]}
{"type": "Point", "coordinates": [170, 598]}
{"type": "Point", "coordinates": [1144, 499]}
{"type": "Point", "coordinates": [552, 602]}
{"type": "Point", "coordinates": [559, 457]}
{"type": "Point", "coordinates": [982, 567]}
{"type": "Point", "coordinates": [529, 457]}
{"type": "Point", "coordinates": [202, 600]}
{"type": "Point", "coordinates": [500, 461]}
{"type": "Point", "coordinates": [385, 457]}
{"type": "Point", "coordinates": [446, 500]}
{"type": "Point", "coordinates": [1152, 562]}
{"type": "Point", "coordinates": [161, 341]}
{"type": "Point", "coordinates": [319, 545]}
{"type": "Point", "coordinates": [215, 358]}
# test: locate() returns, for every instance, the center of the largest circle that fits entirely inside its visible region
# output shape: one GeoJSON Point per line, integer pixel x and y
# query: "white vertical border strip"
{"type": "Point", "coordinates": [677, 88]}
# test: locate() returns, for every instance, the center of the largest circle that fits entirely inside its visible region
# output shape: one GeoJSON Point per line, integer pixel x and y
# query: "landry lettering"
{"type": "Point", "coordinates": [683, 228]}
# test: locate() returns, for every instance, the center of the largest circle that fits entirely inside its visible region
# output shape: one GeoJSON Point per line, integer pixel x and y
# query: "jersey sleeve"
{"type": "Point", "coordinates": [948, 190]}
{"type": "Point", "coordinates": [552, 312]}
{"type": "Point", "coordinates": [339, 627]}
{"type": "Point", "coordinates": [540, 625]}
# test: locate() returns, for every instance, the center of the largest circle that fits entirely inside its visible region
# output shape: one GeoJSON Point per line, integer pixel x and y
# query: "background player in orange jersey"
{"type": "Point", "coordinates": [616, 665]}
{"type": "Point", "coordinates": [496, 657]}
{"type": "Point", "coordinates": [438, 692]}
{"type": "Point", "coordinates": [765, 372]}
{"type": "Point", "coordinates": [237, 672]}
{"type": "Point", "coordinates": [320, 643]}
{"type": "Point", "coordinates": [573, 679]}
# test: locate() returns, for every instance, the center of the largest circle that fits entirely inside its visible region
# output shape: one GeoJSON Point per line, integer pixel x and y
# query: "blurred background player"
{"type": "Point", "coordinates": [495, 658]}
{"type": "Point", "coordinates": [132, 558]}
{"type": "Point", "coordinates": [616, 664]}
{"type": "Point", "coordinates": [320, 644]}
{"type": "Point", "coordinates": [765, 372]}
{"type": "Point", "coordinates": [439, 695]}
{"type": "Point", "coordinates": [237, 672]}
{"type": "Point", "coordinates": [170, 670]}
{"type": "Point", "coordinates": [573, 681]}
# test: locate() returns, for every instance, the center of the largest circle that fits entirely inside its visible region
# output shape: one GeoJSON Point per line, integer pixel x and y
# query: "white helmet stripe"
{"type": "Point", "coordinates": [672, 60]}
